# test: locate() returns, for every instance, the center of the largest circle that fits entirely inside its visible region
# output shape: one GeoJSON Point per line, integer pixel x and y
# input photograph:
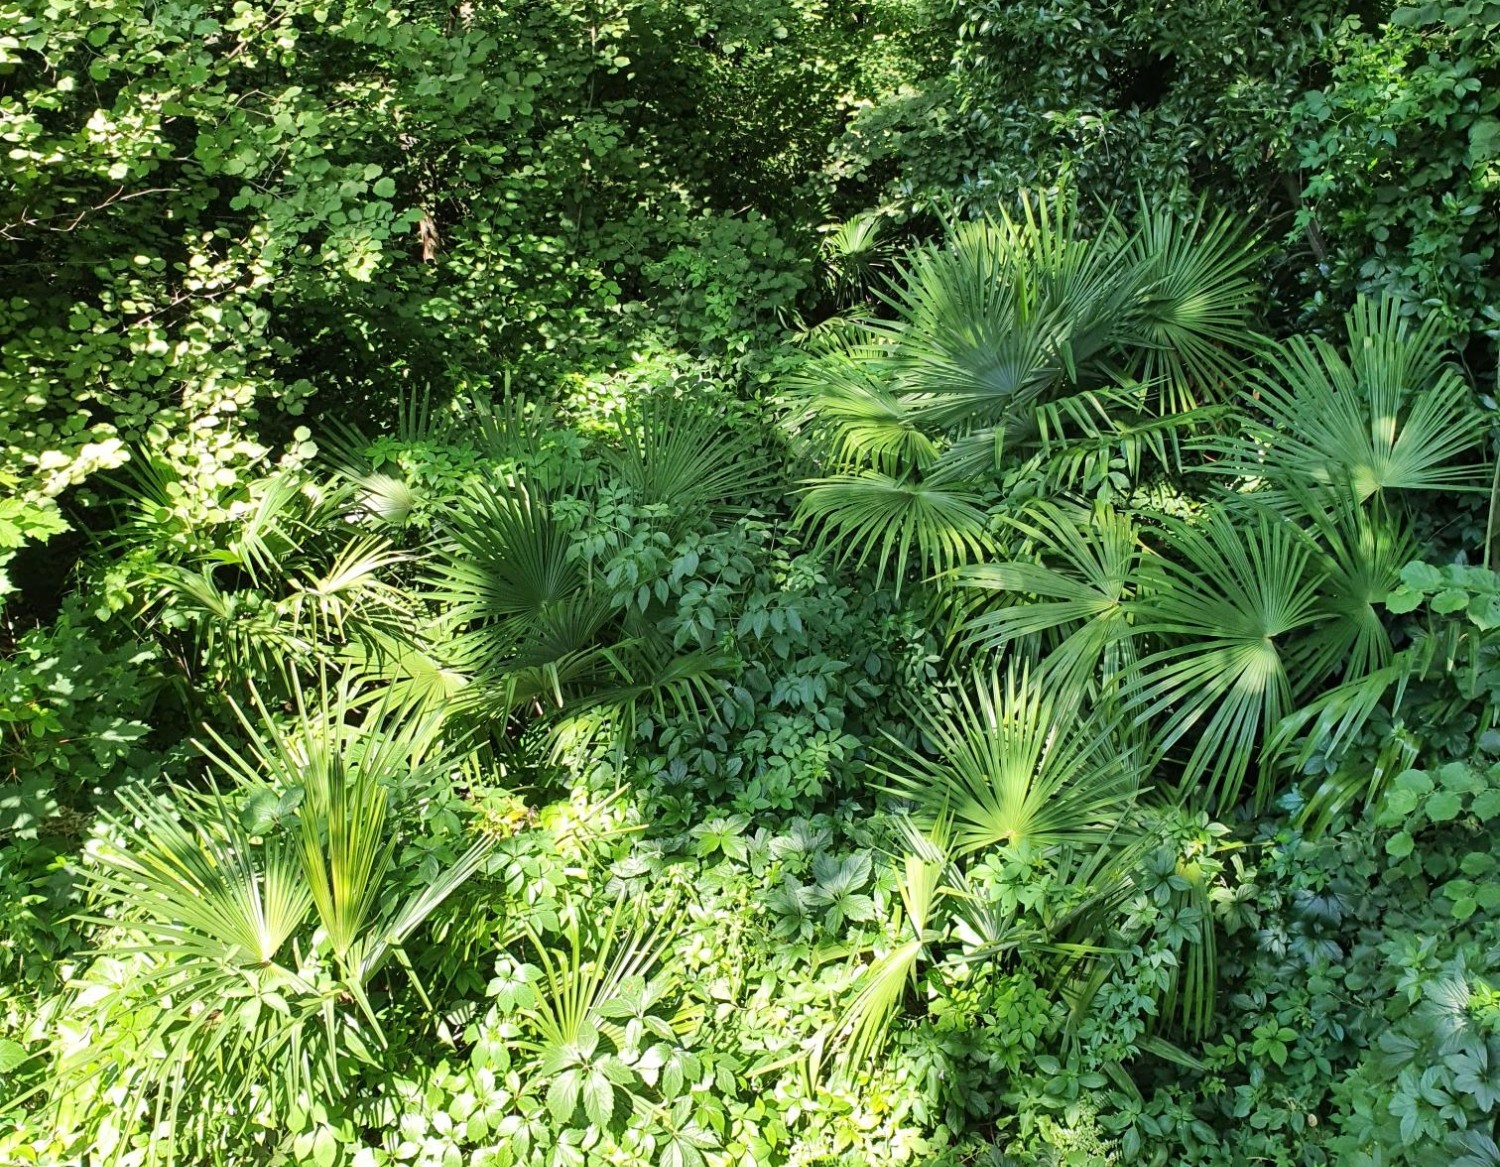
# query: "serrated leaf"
{"type": "Point", "coordinates": [562, 1096]}
{"type": "Point", "coordinates": [599, 1099]}
{"type": "Point", "coordinates": [1484, 139]}
{"type": "Point", "coordinates": [12, 1054]}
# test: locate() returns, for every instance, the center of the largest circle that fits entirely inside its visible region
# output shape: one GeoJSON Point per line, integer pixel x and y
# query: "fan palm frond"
{"type": "Point", "coordinates": [1229, 597]}
{"type": "Point", "coordinates": [975, 337]}
{"type": "Point", "coordinates": [580, 980]}
{"type": "Point", "coordinates": [269, 531]}
{"type": "Point", "coordinates": [1389, 416]}
{"type": "Point", "coordinates": [201, 883]}
{"type": "Point", "coordinates": [844, 395]}
{"type": "Point", "coordinates": [1075, 597]}
{"type": "Point", "coordinates": [1327, 725]}
{"type": "Point", "coordinates": [508, 429]}
{"type": "Point", "coordinates": [249, 936]}
{"type": "Point", "coordinates": [869, 515]}
{"type": "Point", "coordinates": [510, 585]}
{"type": "Point", "coordinates": [1014, 766]}
{"type": "Point", "coordinates": [650, 676]}
{"type": "Point", "coordinates": [864, 1024]}
{"type": "Point", "coordinates": [1088, 439]}
{"type": "Point", "coordinates": [1194, 318]}
{"type": "Point", "coordinates": [674, 451]}
{"type": "Point", "coordinates": [236, 631]}
{"type": "Point", "coordinates": [406, 671]}
{"type": "Point", "coordinates": [1362, 551]}
{"type": "Point", "coordinates": [855, 252]}
{"type": "Point", "coordinates": [351, 595]}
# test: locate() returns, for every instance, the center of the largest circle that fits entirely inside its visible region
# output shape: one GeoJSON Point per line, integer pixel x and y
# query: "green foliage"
{"type": "Point", "coordinates": [1399, 149]}
{"type": "Point", "coordinates": [1228, 602]}
{"type": "Point", "coordinates": [725, 634]}
{"type": "Point", "coordinates": [1010, 774]}
{"type": "Point", "coordinates": [74, 713]}
{"type": "Point", "coordinates": [1392, 417]}
{"type": "Point", "coordinates": [249, 927]}
{"type": "Point", "coordinates": [1020, 354]}
{"type": "Point", "coordinates": [1105, 97]}
{"type": "Point", "coordinates": [22, 522]}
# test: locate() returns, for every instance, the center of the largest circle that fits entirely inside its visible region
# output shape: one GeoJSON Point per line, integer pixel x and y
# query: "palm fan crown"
{"type": "Point", "coordinates": [1228, 599]}
{"type": "Point", "coordinates": [1013, 766]}
{"type": "Point", "coordinates": [1388, 415]}
{"type": "Point", "coordinates": [251, 937]}
{"type": "Point", "coordinates": [1018, 341]}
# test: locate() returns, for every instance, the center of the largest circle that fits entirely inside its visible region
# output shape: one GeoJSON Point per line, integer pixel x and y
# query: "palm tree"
{"type": "Point", "coordinates": [1225, 601]}
{"type": "Point", "coordinates": [531, 625]}
{"type": "Point", "coordinates": [1018, 346]}
{"type": "Point", "coordinates": [245, 928]}
{"type": "Point", "coordinates": [283, 587]}
{"type": "Point", "coordinates": [1063, 607]}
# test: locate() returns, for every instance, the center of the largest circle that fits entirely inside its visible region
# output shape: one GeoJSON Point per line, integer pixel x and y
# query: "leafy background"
{"type": "Point", "coordinates": [866, 581]}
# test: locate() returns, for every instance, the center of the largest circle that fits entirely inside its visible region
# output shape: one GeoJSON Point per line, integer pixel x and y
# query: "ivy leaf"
{"type": "Point", "coordinates": [839, 877]}
{"type": "Point", "coordinates": [681, 1154]}
{"type": "Point", "coordinates": [1481, 1150]}
{"type": "Point", "coordinates": [1472, 1077]}
{"type": "Point", "coordinates": [687, 1146]}
{"type": "Point", "coordinates": [260, 812]}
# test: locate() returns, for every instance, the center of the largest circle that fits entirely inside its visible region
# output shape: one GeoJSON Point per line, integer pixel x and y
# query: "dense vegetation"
{"type": "Point", "coordinates": [784, 582]}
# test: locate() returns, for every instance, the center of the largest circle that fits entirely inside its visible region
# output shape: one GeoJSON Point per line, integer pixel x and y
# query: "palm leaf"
{"type": "Point", "coordinates": [509, 586]}
{"type": "Point", "coordinates": [843, 393]}
{"type": "Point", "coordinates": [1073, 599]}
{"type": "Point", "coordinates": [976, 334]}
{"type": "Point", "coordinates": [230, 994]}
{"type": "Point", "coordinates": [1388, 417]}
{"type": "Point", "coordinates": [872, 515]}
{"type": "Point", "coordinates": [864, 1024]}
{"type": "Point", "coordinates": [1193, 321]}
{"type": "Point", "coordinates": [577, 984]}
{"type": "Point", "coordinates": [1012, 766]}
{"type": "Point", "coordinates": [202, 886]}
{"type": "Point", "coordinates": [675, 452]}
{"type": "Point", "coordinates": [855, 251]}
{"type": "Point", "coordinates": [1227, 598]}
{"type": "Point", "coordinates": [1363, 549]}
